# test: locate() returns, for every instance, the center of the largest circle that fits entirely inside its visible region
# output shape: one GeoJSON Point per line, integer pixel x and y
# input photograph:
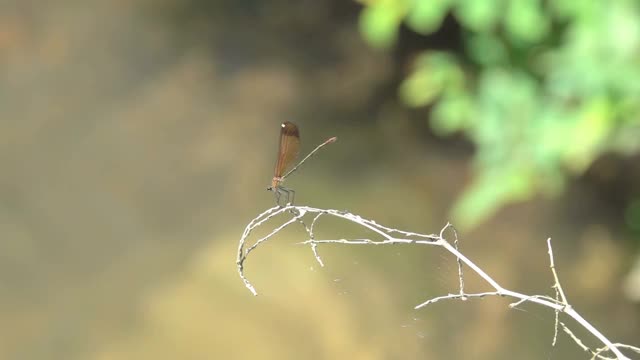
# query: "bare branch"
{"type": "Point", "coordinates": [556, 284]}
{"type": "Point", "coordinates": [559, 293]}
{"type": "Point", "coordinates": [387, 235]}
{"type": "Point", "coordinates": [462, 297]}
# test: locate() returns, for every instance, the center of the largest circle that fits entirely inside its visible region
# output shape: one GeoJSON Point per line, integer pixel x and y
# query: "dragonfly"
{"type": "Point", "coordinates": [288, 151]}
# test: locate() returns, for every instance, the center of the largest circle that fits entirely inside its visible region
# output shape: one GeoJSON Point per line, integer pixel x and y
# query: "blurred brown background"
{"type": "Point", "coordinates": [137, 139]}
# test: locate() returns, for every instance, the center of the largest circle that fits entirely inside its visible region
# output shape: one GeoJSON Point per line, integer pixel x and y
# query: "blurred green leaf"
{"type": "Point", "coordinates": [525, 22]}
{"type": "Point", "coordinates": [589, 132]}
{"type": "Point", "coordinates": [380, 20]}
{"type": "Point", "coordinates": [425, 17]}
{"type": "Point", "coordinates": [624, 30]}
{"type": "Point", "coordinates": [480, 15]}
{"type": "Point", "coordinates": [486, 49]}
{"type": "Point", "coordinates": [452, 113]}
{"type": "Point", "coordinates": [434, 73]}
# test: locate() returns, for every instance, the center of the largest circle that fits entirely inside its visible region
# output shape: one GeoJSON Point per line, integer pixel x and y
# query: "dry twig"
{"type": "Point", "coordinates": [389, 236]}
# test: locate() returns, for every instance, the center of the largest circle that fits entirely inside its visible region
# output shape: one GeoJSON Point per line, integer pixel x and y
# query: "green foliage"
{"type": "Point", "coordinates": [542, 88]}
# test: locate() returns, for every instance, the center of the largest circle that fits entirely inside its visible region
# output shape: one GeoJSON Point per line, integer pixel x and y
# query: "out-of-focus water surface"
{"type": "Point", "coordinates": [136, 141]}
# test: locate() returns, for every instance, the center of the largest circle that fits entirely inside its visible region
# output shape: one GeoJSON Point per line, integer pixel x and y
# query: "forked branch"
{"type": "Point", "coordinates": [388, 236]}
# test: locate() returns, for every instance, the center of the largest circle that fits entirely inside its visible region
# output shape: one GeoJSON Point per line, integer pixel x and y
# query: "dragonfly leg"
{"type": "Point", "coordinates": [282, 193]}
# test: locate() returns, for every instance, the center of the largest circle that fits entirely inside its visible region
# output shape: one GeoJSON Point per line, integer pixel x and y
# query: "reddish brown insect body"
{"type": "Point", "coordinates": [288, 150]}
